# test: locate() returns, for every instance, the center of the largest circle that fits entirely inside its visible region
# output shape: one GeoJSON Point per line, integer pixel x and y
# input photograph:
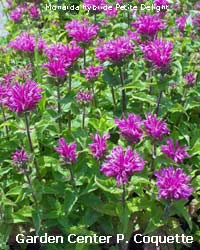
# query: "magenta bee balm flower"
{"type": "Point", "coordinates": [122, 164]}
{"type": "Point", "coordinates": [20, 157]}
{"type": "Point", "coordinates": [148, 25]}
{"type": "Point", "coordinates": [154, 127]}
{"type": "Point", "coordinates": [130, 127]}
{"type": "Point", "coordinates": [173, 184]}
{"type": "Point", "coordinates": [33, 12]}
{"type": "Point", "coordinates": [67, 53]}
{"type": "Point", "coordinates": [23, 97]}
{"type": "Point", "coordinates": [84, 97]}
{"type": "Point", "coordinates": [181, 22]}
{"type": "Point", "coordinates": [3, 93]}
{"type": "Point", "coordinates": [161, 2]}
{"type": "Point", "coordinates": [115, 50]}
{"type": "Point", "coordinates": [67, 151]}
{"type": "Point", "coordinates": [16, 14]}
{"type": "Point", "coordinates": [56, 68]}
{"type": "Point", "coordinates": [26, 43]}
{"type": "Point", "coordinates": [92, 72]}
{"type": "Point", "coordinates": [174, 152]}
{"type": "Point", "coordinates": [158, 52]}
{"type": "Point", "coordinates": [82, 31]}
{"type": "Point", "coordinates": [99, 147]}
{"type": "Point", "coordinates": [190, 78]}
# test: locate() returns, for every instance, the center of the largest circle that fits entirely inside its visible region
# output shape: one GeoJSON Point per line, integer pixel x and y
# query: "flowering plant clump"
{"type": "Point", "coordinates": [99, 122]}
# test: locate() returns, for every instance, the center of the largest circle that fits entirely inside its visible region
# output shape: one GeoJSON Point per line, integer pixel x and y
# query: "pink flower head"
{"type": "Point", "coordinates": [33, 12]}
{"type": "Point", "coordinates": [16, 14]}
{"type": "Point", "coordinates": [155, 128]}
{"type": "Point", "coordinates": [148, 25]}
{"type": "Point", "coordinates": [196, 21]}
{"type": "Point", "coordinates": [92, 72]}
{"type": "Point", "coordinates": [56, 68]}
{"type": "Point", "coordinates": [84, 97]}
{"type": "Point", "coordinates": [94, 5]}
{"type": "Point", "coordinates": [130, 127]}
{"type": "Point", "coordinates": [181, 22]}
{"type": "Point", "coordinates": [67, 53]}
{"type": "Point", "coordinates": [122, 164]}
{"type": "Point", "coordinates": [26, 43]}
{"type": "Point", "coordinates": [111, 11]}
{"type": "Point", "coordinates": [67, 151]}
{"type": "Point", "coordinates": [161, 2]}
{"type": "Point", "coordinates": [10, 3]}
{"type": "Point", "coordinates": [158, 52]}
{"type": "Point", "coordinates": [174, 152]}
{"type": "Point", "coordinates": [99, 147]}
{"type": "Point", "coordinates": [190, 78]}
{"type": "Point", "coordinates": [3, 93]}
{"type": "Point", "coordinates": [115, 50]}
{"type": "Point", "coordinates": [133, 35]}
{"type": "Point", "coordinates": [81, 31]}
{"type": "Point", "coordinates": [197, 6]}
{"type": "Point", "coordinates": [173, 184]}
{"type": "Point", "coordinates": [22, 72]}
{"type": "Point", "coordinates": [20, 157]}
{"type": "Point", "coordinates": [24, 97]}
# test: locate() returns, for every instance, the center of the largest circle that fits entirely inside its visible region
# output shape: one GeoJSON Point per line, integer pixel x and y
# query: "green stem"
{"type": "Point", "coordinates": [84, 57]}
{"type": "Point", "coordinates": [123, 90]}
{"type": "Point", "coordinates": [167, 210]}
{"type": "Point", "coordinates": [83, 118]}
{"type": "Point", "coordinates": [95, 18]}
{"type": "Point", "coordinates": [5, 119]}
{"type": "Point", "coordinates": [154, 155]}
{"type": "Point", "coordinates": [30, 142]}
{"type": "Point", "coordinates": [158, 103]}
{"type": "Point", "coordinates": [31, 187]}
{"type": "Point", "coordinates": [94, 96]}
{"type": "Point", "coordinates": [113, 96]}
{"type": "Point", "coordinates": [59, 109]}
{"type": "Point", "coordinates": [69, 89]}
{"type": "Point", "coordinates": [32, 64]}
{"type": "Point", "coordinates": [72, 177]}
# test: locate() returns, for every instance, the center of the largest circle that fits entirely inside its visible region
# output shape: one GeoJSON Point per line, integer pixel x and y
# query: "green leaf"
{"type": "Point", "coordinates": [182, 211]}
{"type": "Point", "coordinates": [107, 185]}
{"type": "Point", "coordinates": [14, 191]}
{"type": "Point", "coordinates": [69, 201]}
{"type": "Point", "coordinates": [37, 219]}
